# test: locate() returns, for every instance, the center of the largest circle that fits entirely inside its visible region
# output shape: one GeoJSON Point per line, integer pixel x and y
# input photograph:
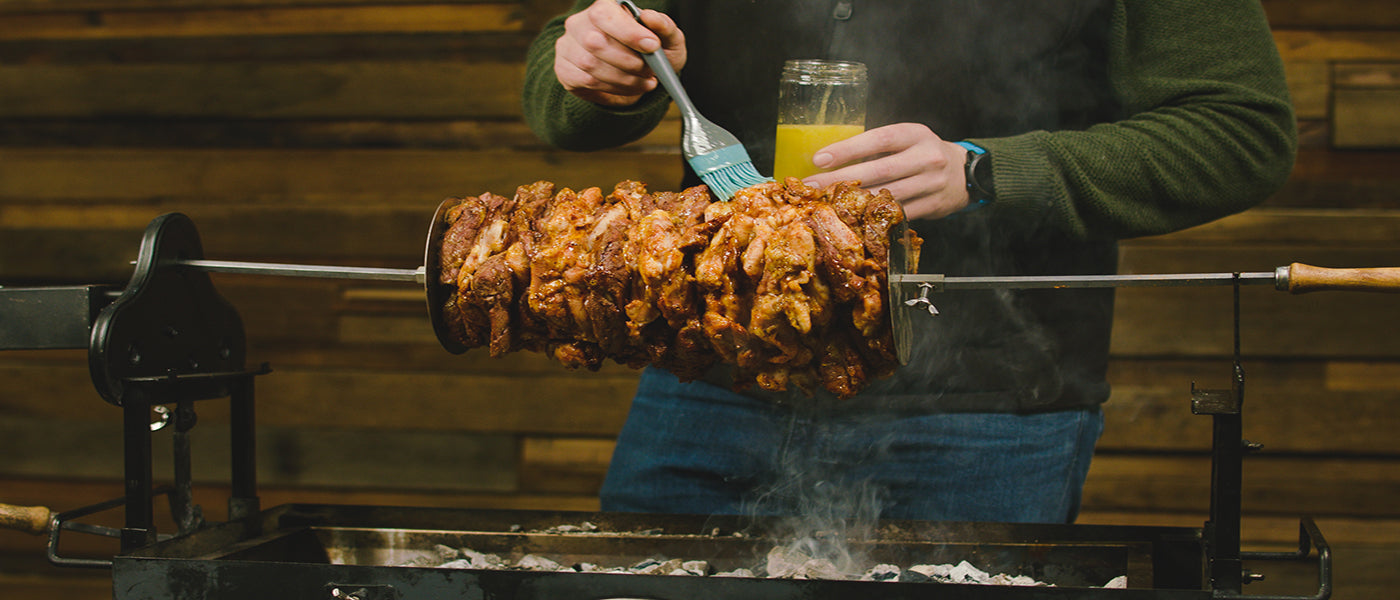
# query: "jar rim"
{"type": "Point", "coordinates": [824, 71]}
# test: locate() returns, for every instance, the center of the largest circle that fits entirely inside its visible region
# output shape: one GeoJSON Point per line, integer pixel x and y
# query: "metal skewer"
{"type": "Point", "coordinates": [938, 283]}
{"type": "Point", "coordinates": [322, 271]}
{"type": "Point", "coordinates": [1296, 278]}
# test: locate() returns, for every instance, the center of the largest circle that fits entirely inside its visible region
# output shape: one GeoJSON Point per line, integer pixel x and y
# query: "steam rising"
{"type": "Point", "coordinates": [821, 502]}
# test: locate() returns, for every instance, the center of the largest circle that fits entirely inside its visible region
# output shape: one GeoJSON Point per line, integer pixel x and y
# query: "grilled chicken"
{"type": "Point", "coordinates": [785, 282]}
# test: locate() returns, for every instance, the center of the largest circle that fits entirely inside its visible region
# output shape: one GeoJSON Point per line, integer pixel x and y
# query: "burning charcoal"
{"type": "Point", "coordinates": [914, 575]}
{"type": "Point", "coordinates": [1018, 580]}
{"type": "Point", "coordinates": [696, 567]}
{"type": "Point", "coordinates": [819, 568]}
{"type": "Point", "coordinates": [884, 572]}
{"type": "Point", "coordinates": [735, 573]}
{"type": "Point", "coordinates": [1120, 582]}
{"type": "Point", "coordinates": [795, 564]}
{"type": "Point", "coordinates": [446, 553]}
{"type": "Point", "coordinates": [421, 561]}
{"type": "Point", "coordinates": [533, 562]}
{"type": "Point", "coordinates": [483, 561]}
{"type": "Point", "coordinates": [966, 573]}
{"type": "Point", "coordinates": [457, 564]}
{"type": "Point", "coordinates": [939, 573]}
{"type": "Point", "coordinates": [783, 562]}
{"type": "Point", "coordinates": [645, 564]}
{"type": "Point", "coordinates": [584, 527]}
{"type": "Point", "coordinates": [670, 567]}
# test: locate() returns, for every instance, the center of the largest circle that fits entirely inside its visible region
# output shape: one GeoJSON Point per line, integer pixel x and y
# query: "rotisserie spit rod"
{"type": "Point", "coordinates": [1296, 278]}
{"type": "Point", "coordinates": [317, 271]}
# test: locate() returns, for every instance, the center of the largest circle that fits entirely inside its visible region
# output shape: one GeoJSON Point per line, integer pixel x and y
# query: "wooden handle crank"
{"type": "Point", "coordinates": [1307, 278]}
{"type": "Point", "coordinates": [29, 519]}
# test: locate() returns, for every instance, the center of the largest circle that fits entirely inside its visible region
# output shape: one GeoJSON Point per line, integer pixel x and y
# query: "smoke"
{"type": "Point", "coordinates": [819, 502]}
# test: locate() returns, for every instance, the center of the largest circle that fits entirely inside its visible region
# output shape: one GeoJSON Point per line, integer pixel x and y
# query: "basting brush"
{"type": "Point", "coordinates": [715, 154]}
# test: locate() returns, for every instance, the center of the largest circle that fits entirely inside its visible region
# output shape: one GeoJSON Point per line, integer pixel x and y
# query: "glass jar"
{"type": "Point", "coordinates": [819, 102]}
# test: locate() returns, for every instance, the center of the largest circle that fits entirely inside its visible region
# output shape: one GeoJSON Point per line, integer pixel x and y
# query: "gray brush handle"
{"type": "Point", "coordinates": [661, 66]}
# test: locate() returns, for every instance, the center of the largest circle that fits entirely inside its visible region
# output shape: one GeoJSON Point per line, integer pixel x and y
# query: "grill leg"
{"type": "Point", "coordinates": [243, 501]}
{"type": "Point", "coordinates": [140, 513]}
{"type": "Point", "coordinates": [1227, 469]}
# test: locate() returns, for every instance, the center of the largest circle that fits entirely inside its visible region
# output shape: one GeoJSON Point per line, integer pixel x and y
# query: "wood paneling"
{"type": "Point", "coordinates": [1338, 45]}
{"type": "Point", "coordinates": [1366, 116]}
{"type": "Point", "coordinates": [1329, 14]}
{"type": "Point", "coordinates": [327, 131]}
{"type": "Point", "coordinates": [344, 90]}
{"type": "Point", "coordinates": [379, 180]}
{"type": "Point", "coordinates": [501, 17]}
{"type": "Point", "coordinates": [23, 6]}
{"type": "Point", "coordinates": [1309, 84]}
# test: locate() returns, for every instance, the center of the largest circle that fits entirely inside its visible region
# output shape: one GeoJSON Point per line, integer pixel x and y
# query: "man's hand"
{"type": "Point", "coordinates": [596, 58]}
{"type": "Point", "coordinates": [921, 170]}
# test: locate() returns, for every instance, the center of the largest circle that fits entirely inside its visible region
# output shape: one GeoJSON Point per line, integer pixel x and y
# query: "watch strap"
{"type": "Point", "coordinates": [978, 194]}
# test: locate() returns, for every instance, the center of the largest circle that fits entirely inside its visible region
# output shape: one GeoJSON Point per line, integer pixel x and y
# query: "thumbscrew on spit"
{"type": "Point", "coordinates": [922, 301]}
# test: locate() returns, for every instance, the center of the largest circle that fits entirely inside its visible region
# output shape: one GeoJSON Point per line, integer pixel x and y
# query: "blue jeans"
{"type": "Point", "coordinates": [695, 448]}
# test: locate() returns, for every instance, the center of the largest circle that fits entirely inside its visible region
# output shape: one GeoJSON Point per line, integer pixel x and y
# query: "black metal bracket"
{"type": "Point", "coordinates": [167, 340]}
{"type": "Point", "coordinates": [65, 521]}
{"type": "Point", "coordinates": [1221, 534]}
{"type": "Point", "coordinates": [51, 318]}
{"type": "Point", "coordinates": [341, 591]}
{"type": "Point", "coordinates": [170, 338]}
{"type": "Point", "coordinates": [1309, 539]}
{"type": "Point", "coordinates": [169, 321]}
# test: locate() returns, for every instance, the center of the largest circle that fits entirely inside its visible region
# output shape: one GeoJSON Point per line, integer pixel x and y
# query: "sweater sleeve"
{"type": "Point", "coordinates": [572, 123]}
{"type": "Point", "coordinates": [1208, 128]}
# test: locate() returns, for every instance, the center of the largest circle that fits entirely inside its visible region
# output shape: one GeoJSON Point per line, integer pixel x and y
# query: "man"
{"type": "Point", "coordinates": [1092, 121]}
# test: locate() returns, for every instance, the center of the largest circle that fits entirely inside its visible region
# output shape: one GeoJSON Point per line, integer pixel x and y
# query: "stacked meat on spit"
{"type": "Point", "coordinates": [786, 283]}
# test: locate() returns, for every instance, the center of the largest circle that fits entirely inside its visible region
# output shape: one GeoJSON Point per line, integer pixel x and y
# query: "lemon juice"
{"type": "Point", "coordinates": [795, 145]}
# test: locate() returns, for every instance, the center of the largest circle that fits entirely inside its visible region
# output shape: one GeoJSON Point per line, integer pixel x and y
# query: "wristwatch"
{"type": "Point", "coordinates": [978, 173]}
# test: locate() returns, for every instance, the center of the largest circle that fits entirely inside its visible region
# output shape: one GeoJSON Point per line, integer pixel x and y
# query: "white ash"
{"type": "Point", "coordinates": [788, 563]}
{"type": "Point", "coordinates": [535, 562]}
{"type": "Point", "coordinates": [782, 562]}
{"type": "Point", "coordinates": [963, 572]}
{"type": "Point", "coordinates": [448, 557]}
{"type": "Point", "coordinates": [882, 572]}
{"type": "Point", "coordinates": [584, 527]}
{"type": "Point", "coordinates": [674, 566]}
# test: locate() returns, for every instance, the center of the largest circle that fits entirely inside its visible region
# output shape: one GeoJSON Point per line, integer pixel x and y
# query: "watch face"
{"type": "Point", "coordinates": [979, 177]}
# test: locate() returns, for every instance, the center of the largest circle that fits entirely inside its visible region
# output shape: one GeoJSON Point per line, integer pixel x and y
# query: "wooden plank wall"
{"type": "Point", "coordinates": [327, 131]}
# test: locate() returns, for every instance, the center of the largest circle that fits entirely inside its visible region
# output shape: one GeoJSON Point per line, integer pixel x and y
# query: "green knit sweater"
{"type": "Point", "coordinates": [1203, 125]}
{"type": "Point", "coordinates": [1106, 119]}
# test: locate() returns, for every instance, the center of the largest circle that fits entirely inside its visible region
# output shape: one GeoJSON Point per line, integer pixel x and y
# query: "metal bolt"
{"type": "Point", "coordinates": [923, 301]}
{"type": "Point", "coordinates": [164, 419]}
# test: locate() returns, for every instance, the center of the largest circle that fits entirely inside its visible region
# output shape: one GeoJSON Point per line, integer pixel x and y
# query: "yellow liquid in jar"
{"type": "Point", "coordinates": [795, 145]}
